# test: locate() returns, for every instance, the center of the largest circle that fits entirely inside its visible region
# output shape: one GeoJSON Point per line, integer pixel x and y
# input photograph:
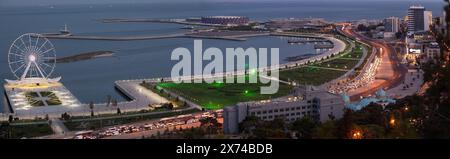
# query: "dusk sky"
{"type": "Point", "coordinates": [66, 2]}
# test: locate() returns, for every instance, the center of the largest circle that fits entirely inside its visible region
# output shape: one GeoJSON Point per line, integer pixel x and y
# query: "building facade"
{"type": "Point", "coordinates": [392, 24]}
{"type": "Point", "coordinates": [416, 18]}
{"type": "Point", "coordinates": [432, 51]}
{"type": "Point", "coordinates": [428, 20]}
{"type": "Point", "coordinates": [305, 101]}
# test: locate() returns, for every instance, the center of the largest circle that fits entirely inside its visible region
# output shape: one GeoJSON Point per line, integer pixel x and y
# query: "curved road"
{"type": "Point", "coordinates": [389, 74]}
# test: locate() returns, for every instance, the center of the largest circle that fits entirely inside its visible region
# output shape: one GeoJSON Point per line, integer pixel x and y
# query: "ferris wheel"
{"type": "Point", "coordinates": [32, 56]}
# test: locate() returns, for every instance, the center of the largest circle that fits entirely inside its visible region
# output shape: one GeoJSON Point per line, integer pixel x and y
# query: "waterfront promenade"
{"type": "Point", "coordinates": [143, 98]}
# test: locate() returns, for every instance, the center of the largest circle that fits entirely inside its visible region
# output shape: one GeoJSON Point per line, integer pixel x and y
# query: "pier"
{"type": "Point", "coordinates": [171, 21]}
{"type": "Point", "coordinates": [122, 38]}
{"type": "Point", "coordinates": [231, 35]}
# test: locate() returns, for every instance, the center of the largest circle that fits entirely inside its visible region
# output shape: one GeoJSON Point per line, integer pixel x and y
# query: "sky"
{"type": "Point", "coordinates": [5, 3]}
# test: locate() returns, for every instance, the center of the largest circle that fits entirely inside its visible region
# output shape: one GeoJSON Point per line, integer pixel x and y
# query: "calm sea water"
{"type": "Point", "coordinates": [92, 80]}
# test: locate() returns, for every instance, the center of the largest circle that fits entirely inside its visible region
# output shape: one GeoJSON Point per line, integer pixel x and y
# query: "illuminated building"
{"type": "Point", "coordinates": [305, 101]}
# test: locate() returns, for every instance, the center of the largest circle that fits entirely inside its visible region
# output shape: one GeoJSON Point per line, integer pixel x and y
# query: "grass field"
{"type": "Point", "coordinates": [218, 94]}
{"type": "Point", "coordinates": [52, 98]}
{"type": "Point", "coordinates": [322, 72]}
{"type": "Point", "coordinates": [31, 98]}
{"type": "Point", "coordinates": [49, 97]}
{"type": "Point", "coordinates": [310, 75]}
{"type": "Point", "coordinates": [27, 131]}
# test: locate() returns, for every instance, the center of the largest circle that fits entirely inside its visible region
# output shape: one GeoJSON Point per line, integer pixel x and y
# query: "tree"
{"type": "Point", "coordinates": [249, 124]}
{"type": "Point", "coordinates": [118, 111]}
{"type": "Point", "coordinates": [326, 130]}
{"type": "Point", "coordinates": [210, 124]}
{"type": "Point", "coordinates": [91, 105]}
{"type": "Point", "coordinates": [345, 125]}
{"type": "Point", "coordinates": [305, 127]}
{"type": "Point", "coordinates": [10, 118]}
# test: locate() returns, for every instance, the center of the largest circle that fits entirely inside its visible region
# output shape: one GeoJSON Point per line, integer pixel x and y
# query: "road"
{"type": "Point", "coordinates": [389, 74]}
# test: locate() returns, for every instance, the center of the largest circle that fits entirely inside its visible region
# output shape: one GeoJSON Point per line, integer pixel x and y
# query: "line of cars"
{"type": "Point", "coordinates": [160, 124]}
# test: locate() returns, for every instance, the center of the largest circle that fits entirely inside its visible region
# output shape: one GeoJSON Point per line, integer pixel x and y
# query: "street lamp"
{"type": "Point", "coordinates": [357, 134]}
{"type": "Point", "coordinates": [392, 122]}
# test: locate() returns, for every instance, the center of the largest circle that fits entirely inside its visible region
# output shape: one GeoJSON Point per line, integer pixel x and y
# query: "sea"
{"type": "Point", "coordinates": [93, 80]}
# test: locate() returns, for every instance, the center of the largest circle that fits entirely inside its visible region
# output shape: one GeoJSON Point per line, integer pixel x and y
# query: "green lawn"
{"type": "Point", "coordinates": [34, 101]}
{"type": "Point", "coordinates": [357, 52]}
{"type": "Point", "coordinates": [310, 75]}
{"type": "Point", "coordinates": [52, 98]}
{"type": "Point", "coordinates": [338, 63]}
{"type": "Point", "coordinates": [218, 95]}
{"type": "Point", "coordinates": [317, 76]}
{"type": "Point", "coordinates": [31, 98]}
{"type": "Point", "coordinates": [28, 131]}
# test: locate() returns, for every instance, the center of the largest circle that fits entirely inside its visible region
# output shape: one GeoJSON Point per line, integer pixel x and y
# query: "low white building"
{"type": "Point", "coordinates": [432, 51]}
{"type": "Point", "coordinates": [305, 101]}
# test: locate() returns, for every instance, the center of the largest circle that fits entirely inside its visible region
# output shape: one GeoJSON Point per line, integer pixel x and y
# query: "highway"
{"type": "Point", "coordinates": [389, 74]}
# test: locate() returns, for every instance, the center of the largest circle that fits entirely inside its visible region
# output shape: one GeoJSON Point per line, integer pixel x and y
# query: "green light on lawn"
{"type": "Point", "coordinates": [246, 91]}
{"type": "Point", "coordinates": [253, 71]}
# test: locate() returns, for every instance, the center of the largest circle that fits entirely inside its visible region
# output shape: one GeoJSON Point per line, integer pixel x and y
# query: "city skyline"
{"type": "Point", "coordinates": [85, 2]}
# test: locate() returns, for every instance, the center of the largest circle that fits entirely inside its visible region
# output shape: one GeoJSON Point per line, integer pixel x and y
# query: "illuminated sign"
{"type": "Point", "coordinates": [415, 51]}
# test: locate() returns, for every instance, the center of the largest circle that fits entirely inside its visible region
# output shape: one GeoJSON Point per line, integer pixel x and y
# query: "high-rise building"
{"type": "Point", "coordinates": [392, 24]}
{"type": "Point", "coordinates": [416, 18]}
{"type": "Point", "coordinates": [428, 20]}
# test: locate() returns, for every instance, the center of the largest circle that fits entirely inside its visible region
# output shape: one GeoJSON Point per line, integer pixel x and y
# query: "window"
{"type": "Point", "coordinates": [292, 114]}
{"type": "Point", "coordinates": [270, 111]}
{"type": "Point", "coordinates": [253, 113]}
{"type": "Point", "coordinates": [287, 109]}
{"type": "Point", "coordinates": [281, 110]}
{"type": "Point", "coordinates": [292, 108]}
{"type": "Point", "coordinates": [276, 110]}
{"type": "Point", "coordinates": [264, 112]}
{"type": "Point", "coordinates": [298, 113]}
{"type": "Point", "coordinates": [298, 108]}
{"type": "Point", "coordinates": [303, 107]}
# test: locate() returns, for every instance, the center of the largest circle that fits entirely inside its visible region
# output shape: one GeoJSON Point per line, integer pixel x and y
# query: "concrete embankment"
{"type": "Point", "coordinates": [122, 38]}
